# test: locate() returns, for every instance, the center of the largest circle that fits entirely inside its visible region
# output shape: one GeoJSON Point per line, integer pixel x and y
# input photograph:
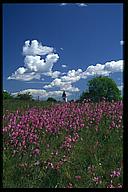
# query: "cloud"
{"type": "Point", "coordinates": [70, 79]}
{"type": "Point", "coordinates": [63, 4]}
{"type": "Point", "coordinates": [42, 82]}
{"type": "Point", "coordinates": [63, 85]}
{"type": "Point", "coordinates": [24, 77]}
{"type": "Point", "coordinates": [121, 42]}
{"type": "Point", "coordinates": [72, 73]}
{"type": "Point", "coordinates": [95, 70]}
{"type": "Point", "coordinates": [104, 69]}
{"type": "Point", "coordinates": [21, 70]}
{"type": "Point", "coordinates": [55, 83]}
{"type": "Point", "coordinates": [36, 48]}
{"type": "Point", "coordinates": [64, 66]}
{"type": "Point", "coordinates": [34, 65]}
{"type": "Point", "coordinates": [43, 94]}
{"type": "Point", "coordinates": [114, 66]}
{"type": "Point", "coordinates": [72, 76]}
{"type": "Point", "coordinates": [65, 82]}
{"type": "Point", "coordinates": [68, 87]}
{"type": "Point", "coordinates": [62, 48]}
{"type": "Point", "coordinates": [51, 59]}
{"type": "Point", "coordinates": [32, 91]}
{"type": "Point", "coordinates": [81, 4]}
{"type": "Point", "coordinates": [53, 74]}
{"type": "Point", "coordinates": [77, 4]}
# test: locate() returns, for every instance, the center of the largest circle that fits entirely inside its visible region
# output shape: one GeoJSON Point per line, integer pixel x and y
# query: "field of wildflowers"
{"type": "Point", "coordinates": [65, 145]}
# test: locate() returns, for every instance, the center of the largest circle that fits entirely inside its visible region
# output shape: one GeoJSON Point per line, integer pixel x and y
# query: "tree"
{"type": "Point", "coordinates": [7, 95]}
{"type": "Point", "coordinates": [25, 96]}
{"type": "Point", "coordinates": [100, 87]}
{"type": "Point", "coordinates": [85, 95]}
{"type": "Point", "coordinates": [50, 99]}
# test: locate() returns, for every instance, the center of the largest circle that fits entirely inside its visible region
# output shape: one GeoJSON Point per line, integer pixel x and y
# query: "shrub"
{"type": "Point", "coordinates": [7, 95]}
{"type": "Point", "coordinates": [50, 99]}
{"type": "Point", "coordinates": [25, 96]}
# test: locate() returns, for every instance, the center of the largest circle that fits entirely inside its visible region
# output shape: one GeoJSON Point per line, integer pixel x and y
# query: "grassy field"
{"type": "Point", "coordinates": [65, 145]}
{"type": "Point", "coordinates": [13, 105]}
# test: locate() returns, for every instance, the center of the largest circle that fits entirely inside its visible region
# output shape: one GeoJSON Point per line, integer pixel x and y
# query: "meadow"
{"type": "Point", "coordinates": [62, 145]}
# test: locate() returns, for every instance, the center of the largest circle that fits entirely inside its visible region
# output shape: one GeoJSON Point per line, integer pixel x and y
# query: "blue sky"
{"type": "Point", "coordinates": [48, 48]}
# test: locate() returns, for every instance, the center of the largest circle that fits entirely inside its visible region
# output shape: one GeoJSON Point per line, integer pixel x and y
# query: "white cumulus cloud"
{"type": "Point", "coordinates": [55, 83]}
{"type": "Point", "coordinates": [34, 65]}
{"type": "Point", "coordinates": [53, 74]}
{"type": "Point", "coordinates": [72, 76]}
{"type": "Point", "coordinates": [63, 85]}
{"type": "Point", "coordinates": [114, 66]}
{"type": "Point", "coordinates": [98, 69]}
{"type": "Point", "coordinates": [51, 59]}
{"type": "Point", "coordinates": [68, 87]}
{"type": "Point", "coordinates": [70, 79]}
{"type": "Point", "coordinates": [21, 70]}
{"type": "Point", "coordinates": [36, 48]}
{"type": "Point", "coordinates": [65, 82]}
{"type": "Point", "coordinates": [104, 69]}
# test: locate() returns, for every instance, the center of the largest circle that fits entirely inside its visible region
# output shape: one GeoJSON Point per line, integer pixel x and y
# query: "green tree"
{"type": "Point", "coordinates": [7, 95]}
{"type": "Point", "coordinates": [85, 95]}
{"type": "Point", "coordinates": [50, 99]}
{"type": "Point", "coordinates": [25, 96]}
{"type": "Point", "coordinates": [100, 87]}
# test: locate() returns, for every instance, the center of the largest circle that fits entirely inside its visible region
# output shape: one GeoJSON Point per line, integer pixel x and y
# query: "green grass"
{"type": "Point", "coordinates": [105, 157]}
{"type": "Point", "coordinates": [12, 105]}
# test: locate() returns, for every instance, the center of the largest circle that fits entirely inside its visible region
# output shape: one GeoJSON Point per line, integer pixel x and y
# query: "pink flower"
{"type": "Point", "coordinates": [23, 143]}
{"type": "Point", "coordinates": [70, 185]}
{"type": "Point", "coordinates": [115, 173]}
{"type": "Point", "coordinates": [110, 186]}
{"type": "Point", "coordinates": [78, 177]}
{"type": "Point", "coordinates": [97, 180]}
{"type": "Point", "coordinates": [36, 151]}
{"type": "Point", "coordinates": [119, 186]}
{"type": "Point", "coordinates": [47, 145]}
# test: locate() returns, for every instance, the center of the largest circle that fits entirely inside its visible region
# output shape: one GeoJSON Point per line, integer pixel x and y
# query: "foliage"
{"type": "Point", "coordinates": [67, 145]}
{"type": "Point", "coordinates": [50, 99]}
{"type": "Point", "coordinates": [85, 95]}
{"type": "Point", "coordinates": [102, 87]}
{"type": "Point", "coordinates": [25, 96]}
{"type": "Point", "coordinates": [7, 95]}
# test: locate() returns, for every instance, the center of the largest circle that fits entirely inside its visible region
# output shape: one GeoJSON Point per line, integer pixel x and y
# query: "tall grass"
{"type": "Point", "coordinates": [15, 104]}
